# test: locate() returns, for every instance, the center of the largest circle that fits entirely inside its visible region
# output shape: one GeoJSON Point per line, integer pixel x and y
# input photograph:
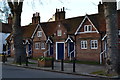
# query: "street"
{"type": "Point", "coordinates": [18, 72]}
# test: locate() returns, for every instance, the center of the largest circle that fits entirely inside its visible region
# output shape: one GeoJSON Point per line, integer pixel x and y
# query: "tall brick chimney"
{"type": "Point", "coordinates": [101, 16]}
{"type": "Point", "coordinates": [10, 19]}
{"type": "Point", "coordinates": [60, 14]}
{"type": "Point", "coordinates": [36, 18]}
{"type": "Point", "coordinates": [101, 9]}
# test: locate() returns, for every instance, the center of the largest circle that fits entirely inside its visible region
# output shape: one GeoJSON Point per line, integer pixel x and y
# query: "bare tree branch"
{"type": "Point", "coordinates": [1, 11]}
{"type": "Point", "coordinates": [10, 5]}
{"type": "Point", "coordinates": [15, 3]}
{"type": "Point", "coordinates": [40, 2]}
{"type": "Point", "coordinates": [20, 5]}
{"type": "Point", "coordinates": [61, 1]}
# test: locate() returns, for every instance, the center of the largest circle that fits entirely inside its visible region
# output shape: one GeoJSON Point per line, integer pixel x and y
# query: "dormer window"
{"type": "Point", "coordinates": [59, 32]}
{"type": "Point", "coordinates": [87, 28]}
{"type": "Point", "coordinates": [39, 34]}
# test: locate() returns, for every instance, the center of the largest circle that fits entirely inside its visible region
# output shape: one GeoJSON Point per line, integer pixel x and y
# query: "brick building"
{"type": "Point", "coordinates": [82, 37]}
{"type": "Point", "coordinates": [5, 30]}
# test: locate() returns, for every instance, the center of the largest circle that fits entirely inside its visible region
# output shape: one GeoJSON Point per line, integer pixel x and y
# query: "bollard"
{"type": "Point", "coordinates": [20, 61]}
{"type": "Point", "coordinates": [38, 63]}
{"type": "Point", "coordinates": [26, 61]}
{"type": "Point", "coordinates": [52, 63]}
{"type": "Point", "coordinates": [62, 65]}
{"type": "Point", "coordinates": [74, 64]}
{"type": "Point", "coordinates": [3, 58]}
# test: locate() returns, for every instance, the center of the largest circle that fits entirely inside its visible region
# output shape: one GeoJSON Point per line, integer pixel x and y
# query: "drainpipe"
{"type": "Point", "coordinates": [75, 53]}
{"type": "Point", "coordinates": [101, 47]}
{"type": "Point", "coordinates": [101, 56]}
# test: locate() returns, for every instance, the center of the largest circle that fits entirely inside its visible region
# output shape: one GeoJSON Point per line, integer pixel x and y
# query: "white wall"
{"type": "Point", "coordinates": [3, 36]}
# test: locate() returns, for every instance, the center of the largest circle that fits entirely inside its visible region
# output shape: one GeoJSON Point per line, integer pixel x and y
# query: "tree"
{"type": "Point", "coordinates": [4, 11]}
{"type": "Point", "coordinates": [16, 10]}
{"type": "Point", "coordinates": [113, 58]}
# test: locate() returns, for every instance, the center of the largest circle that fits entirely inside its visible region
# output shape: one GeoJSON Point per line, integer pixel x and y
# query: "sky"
{"type": "Point", "coordinates": [47, 8]}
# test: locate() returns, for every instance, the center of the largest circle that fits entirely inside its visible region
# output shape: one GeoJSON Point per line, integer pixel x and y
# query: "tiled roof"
{"type": "Point", "coordinates": [49, 27]}
{"type": "Point", "coordinates": [70, 24]}
{"type": "Point", "coordinates": [5, 28]}
{"type": "Point", "coordinates": [29, 30]}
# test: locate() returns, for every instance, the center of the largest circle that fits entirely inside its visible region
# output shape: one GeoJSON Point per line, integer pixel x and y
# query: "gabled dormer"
{"type": "Point", "coordinates": [60, 31]}
{"type": "Point", "coordinates": [39, 34]}
{"type": "Point", "coordinates": [86, 26]}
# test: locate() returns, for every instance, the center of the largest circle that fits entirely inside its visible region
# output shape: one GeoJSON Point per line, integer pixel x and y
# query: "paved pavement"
{"type": "Point", "coordinates": [81, 69]}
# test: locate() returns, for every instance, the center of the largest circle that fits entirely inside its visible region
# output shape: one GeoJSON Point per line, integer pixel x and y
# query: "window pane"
{"type": "Point", "coordinates": [37, 45]}
{"type": "Point", "coordinates": [43, 45]}
{"type": "Point", "coordinates": [39, 33]}
{"type": "Point", "coordinates": [59, 32]}
{"type": "Point", "coordinates": [85, 28]}
{"type": "Point", "coordinates": [89, 28]}
{"type": "Point", "coordinates": [83, 44]}
{"type": "Point", "coordinates": [94, 44]}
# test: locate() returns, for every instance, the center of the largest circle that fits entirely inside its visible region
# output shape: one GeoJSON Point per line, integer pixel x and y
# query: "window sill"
{"type": "Point", "coordinates": [84, 48]}
{"type": "Point", "coordinates": [94, 48]}
{"type": "Point", "coordinates": [42, 48]}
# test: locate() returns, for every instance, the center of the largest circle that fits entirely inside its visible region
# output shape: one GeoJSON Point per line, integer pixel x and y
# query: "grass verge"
{"type": "Point", "coordinates": [84, 62]}
{"type": "Point", "coordinates": [103, 73]}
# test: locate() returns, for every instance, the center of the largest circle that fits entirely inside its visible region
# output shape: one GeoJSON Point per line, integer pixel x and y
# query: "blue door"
{"type": "Point", "coordinates": [60, 51]}
{"type": "Point", "coordinates": [71, 49]}
{"type": "Point", "coordinates": [51, 49]}
{"type": "Point", "coordinates": [29, 50]}
{"type": "Point", "coordinates": [8, 51]}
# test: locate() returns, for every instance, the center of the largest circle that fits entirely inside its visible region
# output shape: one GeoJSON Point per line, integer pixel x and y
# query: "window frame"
{"type": "Point", "coordinates": [83, 43]}
{"type": "Point", "coordinates": [59, 32]}
{"type": "Point", "coordinates": [39, 34]}
{"type": "Point", "coordinates": [94, 42]}
{"type": "Point", "coordinates": [87, 28]}
{"type": "Point", "coordinates": [42, 45]}
{"type": "Point", "coordinates": [37, 45]}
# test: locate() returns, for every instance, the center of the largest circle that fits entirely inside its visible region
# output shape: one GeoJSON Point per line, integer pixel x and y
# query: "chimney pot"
{"type": "Point", "coordinates": [63, 8]}
{"type": "Point", "coordinates": [33, 15]}
{"type": "Point", "coordinates": [56, 9]}
{"type": "Point", "coordinates": [38, 14]}
{"type": "Point", "coordinates": [10, 19]}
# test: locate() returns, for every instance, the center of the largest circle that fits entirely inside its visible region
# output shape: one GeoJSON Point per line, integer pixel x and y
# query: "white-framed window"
{"type": "Point", "coordinates": [59, 32]}
{"type": "Point", "coordinates": [42, 45]}
{"type": "Point", "coordinates": [94, 44]}
{"type": "Point", "coordinates": [37, 45]}
{"type": "Point", "coordinates": [87, 28]}
{"type": "Point", "coordinates": [39, 34]}
{"type": "Point", "coordinates": [83, 44]}
{"type": "Point", "coordinates": [119, 32]}
{"type": "Point", "coordinates": [13, 48]}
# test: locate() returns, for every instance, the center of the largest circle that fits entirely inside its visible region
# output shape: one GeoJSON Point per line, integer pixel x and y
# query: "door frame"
{"type": "Point", "coordinates": [68, 44]}
{"type": "Point", "coordinates": [57, 50]}
{"type": "Point", "coordinates": [49, 48]}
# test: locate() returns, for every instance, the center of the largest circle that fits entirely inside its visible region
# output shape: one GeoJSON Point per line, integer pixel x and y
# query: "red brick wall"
{"type": "Point", "coordinates": [60, 38]}
{"type": "Point", "coordinates": [88, 54]}
{"type": "Point", "coordinates": [39, 52]}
